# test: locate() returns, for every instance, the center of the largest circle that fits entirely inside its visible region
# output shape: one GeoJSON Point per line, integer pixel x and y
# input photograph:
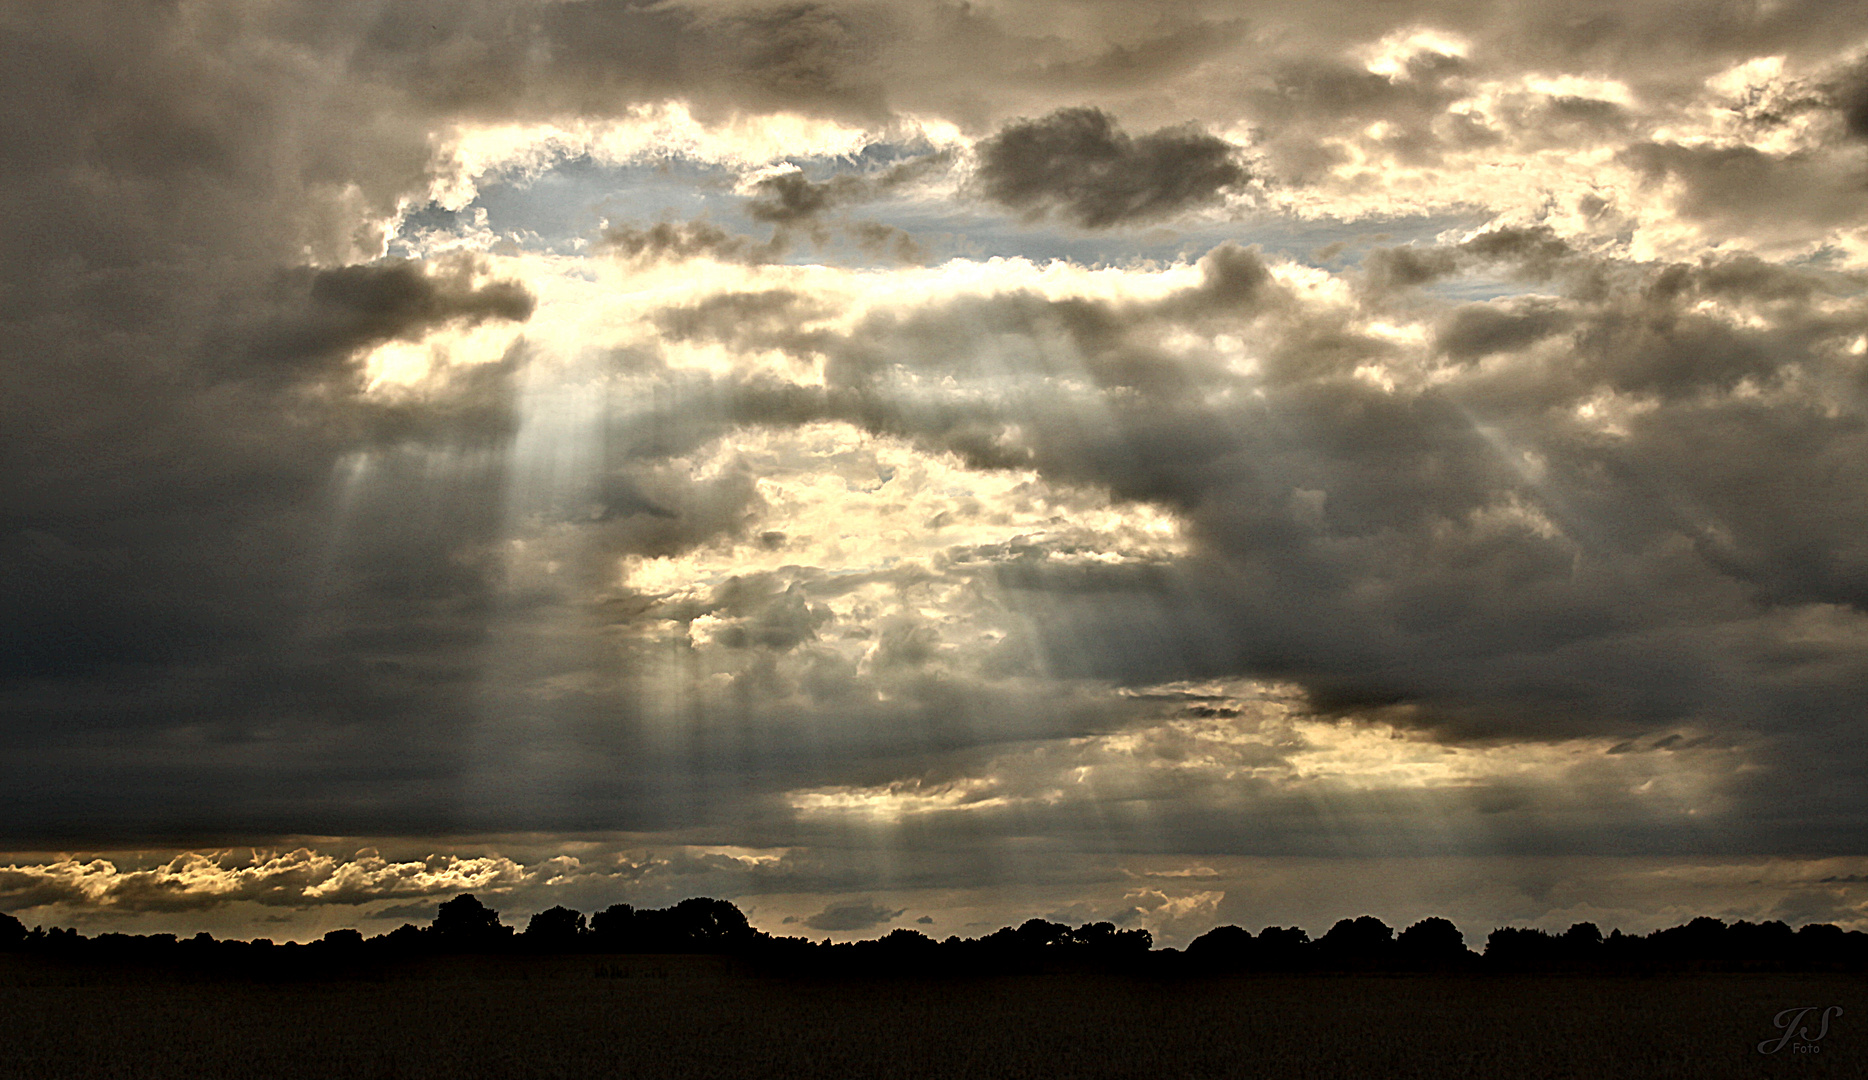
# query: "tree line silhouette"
{"type": "Point", "coordinates": [465, 925]}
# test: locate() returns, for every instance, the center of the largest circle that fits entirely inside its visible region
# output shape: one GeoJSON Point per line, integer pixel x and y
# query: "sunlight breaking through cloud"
{"type": "Point", "coordinates": [898, 458]}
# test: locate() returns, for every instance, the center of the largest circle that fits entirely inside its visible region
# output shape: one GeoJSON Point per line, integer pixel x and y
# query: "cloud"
{"type": "Point", "coordinates": [1451, 506]}
{"type": "Point", "coordinates": [196, 881]}
{"type": "Point", "coordinates": [347, 309]}
{"type": "Point", "coordinates": [1853, 102]}
{"type": "Point", "coordinates": [878, 239]}
{"type": "Point", "coordinates": [1534, 253]}
{"type": "Point", "coordinates": [1078, 164]}
{"type": "Point", "coordinates": [417, 914]}
{"type": "Point", "coordinates": [1750, 189]}
{"type": "Point", "coordinates": [397, 299]}
{"type": "Point", "coordinates": [1312, 784]}
{"type": "Point", "coordinates": [1410, 478]}
{"type": "Point", "coordinates": [681, 241]}
{"type": "Point", "coordinates": [1480, 330]}
{"type": "Point", "coordinates": [322, 520]}
{"type": "Point", "coordinates": [788, 198]}
{"type": "Point", "coordinates": [857, 915]}
{"type": "Point", "coordinates": [1308, 108]}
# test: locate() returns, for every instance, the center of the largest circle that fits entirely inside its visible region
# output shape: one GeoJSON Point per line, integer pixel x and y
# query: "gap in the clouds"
{"type": "Point", "coordinates": [562, 209]}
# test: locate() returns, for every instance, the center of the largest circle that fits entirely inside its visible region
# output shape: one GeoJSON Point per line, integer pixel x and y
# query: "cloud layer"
{"type": "Point", "coordinates": [1078, 163]}
{"type": "Point", "coordinates": [907, 431]}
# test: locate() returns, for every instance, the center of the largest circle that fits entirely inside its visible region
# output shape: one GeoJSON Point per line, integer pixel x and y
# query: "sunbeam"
{"type": "Point", "coordinates": [891, 463]}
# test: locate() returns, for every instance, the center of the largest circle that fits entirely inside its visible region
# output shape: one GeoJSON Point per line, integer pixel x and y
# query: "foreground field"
{"type": "Point", "coordinates": [678, 1017]}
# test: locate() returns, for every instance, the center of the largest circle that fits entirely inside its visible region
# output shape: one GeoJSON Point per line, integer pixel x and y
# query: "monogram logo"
{"type": "Point", "coordinates": [1796, 1033]}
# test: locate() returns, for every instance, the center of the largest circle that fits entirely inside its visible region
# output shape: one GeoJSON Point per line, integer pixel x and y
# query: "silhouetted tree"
{"type": "Point", "coordinates": [1102, 939]}
{"type": "Point", "coordinates": [1511, 948]}
{"type": "Point", "coordinates": [1432, 944]}
{"type": "Point", "coordinates": [1284, 948]}
{"type": "Point", "coordinates": [1357, 944]}
{"type": "Point", "coordinates": [404, 940]}
{"type": "Point", "coordinates": [1580, 948]}
{"type": "Point", "coordinates": [1698, 945]}
{"type": "Point", "coordinates": [1223, 948]}
{"type": "Point", "coordinates": [1583, 936]}
{"type": "Point", "coordinates": [12, 932]}
{"type": "Point", "coordinates": [701, 924]}
{"type": "Point", "coordinates": [556, 929]}
{"type": "Point", "coordinates": [1760, 946]}
{"type": "Point", "coordinates": [1622, 952]}
{"type": "Point", "coordinates": [614, 928]}
{"type": "Point", "coordinates": [904, 940]}
{"type": "Point", "coordinates": [1040, 933]}
{"type": "Point", "coordinates": [464, 922]}
{"type": "Point", "coordinates": [343, 939]}
{"type": "Point", "coordinates": [716, 926]}
{"type": "Point", "coordinates": [62, 939]}
{"type": "Point", "coordinates": [709, 924]}
{"type": "Point", "coordinates": [1821, 946]}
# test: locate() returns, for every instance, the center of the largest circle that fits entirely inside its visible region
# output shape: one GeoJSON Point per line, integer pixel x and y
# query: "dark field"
{"type": "Point", "coordinates": [676, 1017]}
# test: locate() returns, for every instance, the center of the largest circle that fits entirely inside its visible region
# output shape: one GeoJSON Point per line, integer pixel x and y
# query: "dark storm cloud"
{"type": "Point", "coordinates": [1536, 253]}
{"type": "Point", "coordinates": [1852, 99]}
{"type": "Point", "coordinates": [794, 204]}
{"type": "Point", "coordinates": [680, 241]}
{"type": "Point", "coordinates": [366, 304]}
{"type": "Point", "coordinates": [862, 62]}
{"type": "Point", "coordinates": [1471, 557]}
{"type": "Point", "coordinates": [887, 241]}
{"type": "Point", "coordinates": [789, 198]}
{"type": "Point", "coordinates": [242, 596]}
{"type": "Point", "coordinates": [1744, 185]}
{"type": "Point", "coordinates": [1298, 102]}
{"type": "Point", "coordinates": [860, 915]}
{"type": "Point", "coordinates": [167, 521]}
{"type": "Point", "coordinates": [598, 56]}
{"type": "Point", "coordinates": [349, 308]}
{"type": "Point", "coordinates": [1078, 164]}
{"type": "Point", "coordinates": [1480, 330]}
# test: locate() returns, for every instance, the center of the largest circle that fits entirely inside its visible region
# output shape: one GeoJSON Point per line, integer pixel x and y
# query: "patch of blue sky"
{"type": "Point", "coordinates": [562, 208]}
{"type": "Point", "coordinates": [574, 198]}
{"type": "Point", "coordinates": [556, 209]}
{"type": "Point", "coordinates": [871, 158]}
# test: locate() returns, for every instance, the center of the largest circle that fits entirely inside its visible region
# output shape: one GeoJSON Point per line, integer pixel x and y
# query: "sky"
{"type": "Point", "coordinates": [934, 465]}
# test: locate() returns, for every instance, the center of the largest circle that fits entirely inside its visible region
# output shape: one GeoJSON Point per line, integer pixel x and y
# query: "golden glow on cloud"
{"type": "Point", "coordinates": [663, 130]}
{"type": "Point", "coordinates": [1235, 745]}
{"type": "Point", "coordinates": [402, 366]}
{"type": "Point", "coordinates": [1554, 153]}
{"type": "Point", "coordinates": [893, 802]}
{"type": "Point", "coordinates": [838, 500]}
{"type": "Point", "coordinates": [1389, 57]}
{"type": "Point", "coordinates": [796, 484]}
{"type": "Point", "coordinates": [295, 878]}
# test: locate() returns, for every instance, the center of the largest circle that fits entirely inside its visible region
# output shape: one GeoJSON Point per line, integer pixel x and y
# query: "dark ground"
{"type": "Point", "coordinates": [679, 1017]}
